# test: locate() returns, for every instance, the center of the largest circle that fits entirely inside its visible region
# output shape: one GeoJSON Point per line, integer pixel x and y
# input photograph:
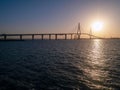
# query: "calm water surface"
{"type": "Point", "coordinates": [60, 65]}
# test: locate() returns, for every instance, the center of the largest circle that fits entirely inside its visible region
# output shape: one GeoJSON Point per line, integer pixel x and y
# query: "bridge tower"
{"type": "Point", "coordinates": [78, 31]}
{"type": "Point", "coordinates": [90, 34]}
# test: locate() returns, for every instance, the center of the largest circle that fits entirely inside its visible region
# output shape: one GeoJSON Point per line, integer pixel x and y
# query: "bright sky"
{"type": "Point", "coordinates": [47, 16]}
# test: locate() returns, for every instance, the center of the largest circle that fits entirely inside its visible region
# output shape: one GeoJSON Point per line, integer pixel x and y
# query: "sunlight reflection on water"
{"type": "Point", "coordinates": [96, 63]}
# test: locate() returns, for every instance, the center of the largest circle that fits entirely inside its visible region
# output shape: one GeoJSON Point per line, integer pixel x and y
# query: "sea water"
{"type": "Point", "coordinates": [86, 64]}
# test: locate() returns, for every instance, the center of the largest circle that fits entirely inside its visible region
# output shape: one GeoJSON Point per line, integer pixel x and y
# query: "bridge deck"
{"type": "Point", "coordinates": [48, 34]}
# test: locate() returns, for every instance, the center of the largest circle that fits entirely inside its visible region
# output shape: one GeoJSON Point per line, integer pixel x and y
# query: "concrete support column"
{"type": "Point", "coordinates": [20, 37]}
{"type": "Point", "coordinates": [71, 36]}
{"type": "Point", "coordinates": [65, 36]}
{"type": "Point", "coordinates": [5, 37]}
{"type": "Point", "coordinates": [55, 36]}
{"type": "Point", "coordinates": [78, 36]}
{"type": "Point", "coordinates": [42, 36]}
{"type": "Point", "coordinates": [33, 37]}
{"type": "Point", "coordinates": [49, 36]}
{"type": "Point", "coordinates": [90, 36]}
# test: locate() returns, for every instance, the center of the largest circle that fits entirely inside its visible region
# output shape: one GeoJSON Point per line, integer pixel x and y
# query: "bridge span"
{"type": "Point", "coordinates": [75, 36]}
{"type": "Point", "coordinates": [42, 35]}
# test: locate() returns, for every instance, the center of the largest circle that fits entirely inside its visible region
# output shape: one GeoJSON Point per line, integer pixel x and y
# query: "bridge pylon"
{"type": "Point", "coordinates": [90, 33]}
{"type": "Point", "coordinates": [78, 31]}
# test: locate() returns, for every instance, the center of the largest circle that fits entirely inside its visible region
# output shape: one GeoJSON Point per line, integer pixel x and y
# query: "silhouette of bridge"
{"type": "Point", "coordinates": [71, 35]}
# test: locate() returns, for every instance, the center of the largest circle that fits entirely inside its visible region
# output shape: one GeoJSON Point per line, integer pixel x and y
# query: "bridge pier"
{"type": "Point", "coordinates": [78, 36]}
{"type": "Point", "coordinates": [65, 36]}
{"type": "Point", "coordinates": [49, 36]}
{"type": "Point", "coordinates": [91, 36]}
{"type": "Point", "coordinates": [55, 36]}
{"type": "Point", "coordinates": [42, 36]}
{"type": "Point", "coordinates": [5, 37]}
{"type": "Point", "coordinates": [20, 37]}
{"type": "Point", "coordinates": [71, 36]}
{"type": "Point", "coordinates": [33, 37]}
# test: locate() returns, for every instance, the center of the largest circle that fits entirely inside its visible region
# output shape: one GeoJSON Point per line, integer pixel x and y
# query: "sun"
{"type": "Point", "coordinates": [97, 26]}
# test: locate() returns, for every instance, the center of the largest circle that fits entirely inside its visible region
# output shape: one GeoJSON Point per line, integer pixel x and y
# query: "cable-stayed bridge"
{"type": "Point", "coordinates": [50, 36]}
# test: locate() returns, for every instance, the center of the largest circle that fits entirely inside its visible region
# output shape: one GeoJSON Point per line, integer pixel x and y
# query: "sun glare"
{"type": "Point", "coordinates": [97, 26]}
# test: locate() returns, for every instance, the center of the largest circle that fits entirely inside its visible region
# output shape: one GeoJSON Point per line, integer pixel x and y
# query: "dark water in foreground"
{"type": "Point", "coordinates": [60, 65]}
